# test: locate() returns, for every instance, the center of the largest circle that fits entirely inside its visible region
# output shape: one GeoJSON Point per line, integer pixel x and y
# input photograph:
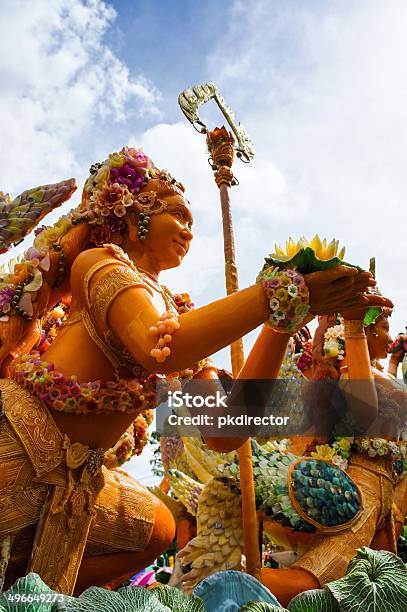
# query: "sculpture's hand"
{"type": "Point", "coordinates": [357, 313]}
{"type": "Point", "coordinates": [340, 289]}
{"type": "Point", "coordinates": [397, 356]}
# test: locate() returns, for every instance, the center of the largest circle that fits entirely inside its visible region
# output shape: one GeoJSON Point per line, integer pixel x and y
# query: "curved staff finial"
{"type": "Point", "coordinates": [192, 98]}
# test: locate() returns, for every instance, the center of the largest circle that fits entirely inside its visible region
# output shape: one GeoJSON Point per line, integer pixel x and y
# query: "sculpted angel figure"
{"type": "Point", "coordinates": [64, 514]}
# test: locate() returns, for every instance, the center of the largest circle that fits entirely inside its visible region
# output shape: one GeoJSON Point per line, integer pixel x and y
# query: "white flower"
{"type": "Point", "coordinates": [340, 462]}
{"type": "Point", "coordinates": [379, 443]}
{"type": "Point", "coordinates": [274, 304]}
{"type": "Point", "coordinates": [394, 448]}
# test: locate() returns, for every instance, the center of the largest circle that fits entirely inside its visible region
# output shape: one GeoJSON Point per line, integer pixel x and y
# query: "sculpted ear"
{"type": "Point", "coordinates": [131, 222]}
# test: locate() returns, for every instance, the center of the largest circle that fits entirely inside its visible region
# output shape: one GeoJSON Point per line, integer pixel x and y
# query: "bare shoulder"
{"type": "Point", "coordinates": [86, 260]}
{"type": "Point", "coordinates": [86, 272]}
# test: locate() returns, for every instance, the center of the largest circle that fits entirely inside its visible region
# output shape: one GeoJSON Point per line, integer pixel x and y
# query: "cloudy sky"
{"type": "Point", "coordinates": [321, 87]}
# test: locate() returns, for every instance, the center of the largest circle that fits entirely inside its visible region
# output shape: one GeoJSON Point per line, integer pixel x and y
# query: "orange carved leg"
{"type": "Point", "coordinates": [112, 569]}
{"type": "Point", "coordinates": [186, 530]}
{"type": "Point", "coordinates": [287, 583]}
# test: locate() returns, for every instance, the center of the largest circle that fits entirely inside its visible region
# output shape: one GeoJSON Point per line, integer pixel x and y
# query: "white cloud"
{"type": "Point", "coordinates": [322, 90]}
{"type": "Point", "coordinates": [60, 81]}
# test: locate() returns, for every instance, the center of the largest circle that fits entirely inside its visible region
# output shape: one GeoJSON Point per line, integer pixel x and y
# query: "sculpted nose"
{"type": "Point", "coordinates": [187, 234]}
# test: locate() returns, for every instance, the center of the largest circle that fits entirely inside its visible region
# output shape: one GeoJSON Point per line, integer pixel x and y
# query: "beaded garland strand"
{"type": "Point", "coordinates": [162, 331]}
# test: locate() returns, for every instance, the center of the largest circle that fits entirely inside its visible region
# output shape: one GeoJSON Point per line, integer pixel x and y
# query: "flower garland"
{"type": "Point", "coordinates": [18, 289]}
{"type": "Point", "coordinates": [334, 341]}
{"type": "Point", "coordinates": [132, 442]}
{"type": "Point", "coordinates": [289, 368]}
{"type": "Point", "coordinates": [399, 344]}
{"type": "Point", "coordinates": [64, 393]}
{"type": "Point", "coordinates": [304, 358]}
{"type": "Point", "coordinates": [379, 447]}
{"type": "Point", "coordinates": [52, 324]}
{"type": "Point", "coordinates": [339, 451]}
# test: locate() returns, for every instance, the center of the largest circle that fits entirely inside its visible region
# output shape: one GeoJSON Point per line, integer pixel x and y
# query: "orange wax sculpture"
{"type": "Point", "coordinates": [63, 410]}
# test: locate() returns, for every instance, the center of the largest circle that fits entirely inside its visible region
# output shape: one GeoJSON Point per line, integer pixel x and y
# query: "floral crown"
{"type": "Point", "coordinates": [114, 186]}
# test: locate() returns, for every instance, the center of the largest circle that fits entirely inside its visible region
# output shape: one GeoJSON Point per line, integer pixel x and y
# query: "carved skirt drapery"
{"type": "Point", "coordinates": [62, 493]}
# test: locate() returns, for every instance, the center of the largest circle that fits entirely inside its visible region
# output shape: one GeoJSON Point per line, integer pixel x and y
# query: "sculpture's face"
{"type": "Point", "coordinates": [378, 338]}
{"type": "Point", "coordinates": [169, 233]}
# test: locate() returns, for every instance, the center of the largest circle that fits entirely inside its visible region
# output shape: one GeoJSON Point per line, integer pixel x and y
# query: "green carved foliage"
{"type": "Point", "coordinates": [317, 600]}
{"type": "Point", "coordinates": [136, 599]}
{"type": "Point", "coordinates": [376, 581]}
{"type": "Point", "coordinates": [260, 606]}
{"type": "Point", "coordinates": [31, 594]}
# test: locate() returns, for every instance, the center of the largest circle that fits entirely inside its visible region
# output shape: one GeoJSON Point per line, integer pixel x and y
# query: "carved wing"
{"type": "Point", "coordinates": [19, 216]}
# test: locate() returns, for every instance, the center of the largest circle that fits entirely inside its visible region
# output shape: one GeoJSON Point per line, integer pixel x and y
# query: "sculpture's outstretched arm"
{"type": "Point", "coordinates": [206, 330]}
{"type": "Point", "coordinates": [202, 331]}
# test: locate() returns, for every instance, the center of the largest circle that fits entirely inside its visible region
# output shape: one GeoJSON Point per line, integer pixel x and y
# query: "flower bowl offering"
{"type": "Point", "coordinates": [308, 256]}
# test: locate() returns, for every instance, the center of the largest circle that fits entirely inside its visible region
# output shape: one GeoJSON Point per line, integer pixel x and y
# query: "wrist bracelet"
{"type": "Point", "coordinates": [287, 296]}
{"type": "Point", "coordinates": [354, 329]}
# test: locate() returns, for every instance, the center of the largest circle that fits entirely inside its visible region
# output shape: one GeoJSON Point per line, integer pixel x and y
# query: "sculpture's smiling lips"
{"type": "Point", "coordinates": [181, 248]}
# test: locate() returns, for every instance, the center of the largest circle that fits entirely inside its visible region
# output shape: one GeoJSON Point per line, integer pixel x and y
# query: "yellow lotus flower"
{"type": "Point", "coordinates": [322, 249]}
{"type": "Point", "coordinates": [324, 452]}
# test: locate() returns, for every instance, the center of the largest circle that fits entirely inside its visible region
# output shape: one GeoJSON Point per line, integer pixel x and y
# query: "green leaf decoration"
{"type": "Point", "coordinates": [305, 261]}
{"type": "Point", "coordinates": [371, 315]}
{"type": "Point", "coordinates": [30, 594]}
{"type": "Point", "coordinates": [136, 599]}
{"type": "Point", "coordinates": [375, 581]}
{"type": "Point", "coordinates": [316, 600]}
{"type": "Point", "coordinates": [174, 599]}
{"type": "Point", "coordinates": [260, 606]}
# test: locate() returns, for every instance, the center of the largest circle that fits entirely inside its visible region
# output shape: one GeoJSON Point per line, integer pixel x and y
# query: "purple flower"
{"type": "Point", "coordinates": [40, 229]}
{"type": "Point", "coordinates": [129, 176]}
{"type": "Point", "coordinates": [6, 295]}
{"type": "Point", "coordinates": [33, 253]}
{"type": "Point", "coordinates": [274, 282]}
{"type": "Point", "coordinates": [114, 224]}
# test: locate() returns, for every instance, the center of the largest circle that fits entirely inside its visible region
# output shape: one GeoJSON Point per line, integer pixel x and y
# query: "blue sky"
{"type": "Point", "coordinates": [321, 88]}
{"type": "Point", "coordinates": [169, 40]}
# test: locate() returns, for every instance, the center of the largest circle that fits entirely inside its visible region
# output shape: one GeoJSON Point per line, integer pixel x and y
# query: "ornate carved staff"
{"type": "Point", "coordinates": [222, 145]}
